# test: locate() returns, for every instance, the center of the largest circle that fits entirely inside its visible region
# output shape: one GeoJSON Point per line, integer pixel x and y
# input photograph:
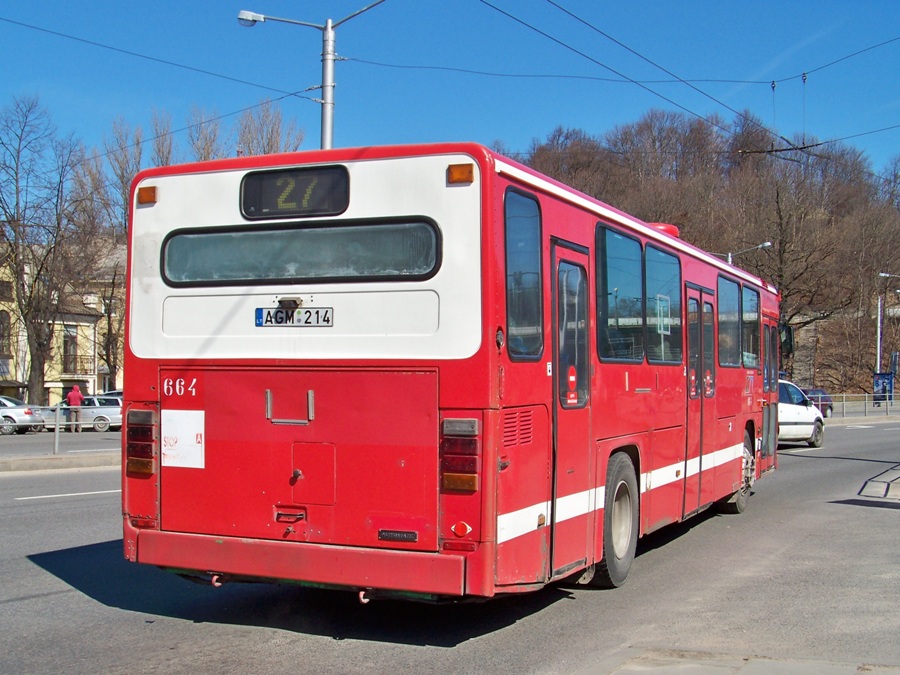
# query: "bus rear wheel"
{"type": "Point", "coordinates": [737, 503]}
{"type": "Point", "coordinates": [620, 523]}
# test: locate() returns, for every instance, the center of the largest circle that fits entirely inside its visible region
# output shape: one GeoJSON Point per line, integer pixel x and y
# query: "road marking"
{"type": "Point", "coordinates": [859, 426]}
{"type": "Point", "coordinates": [69, 494]}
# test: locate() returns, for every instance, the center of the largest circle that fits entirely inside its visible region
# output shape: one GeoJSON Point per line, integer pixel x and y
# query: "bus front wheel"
{"type": "Point", "coordinates": [620, 522]}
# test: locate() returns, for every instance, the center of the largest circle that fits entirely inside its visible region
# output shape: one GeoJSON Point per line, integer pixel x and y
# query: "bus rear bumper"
{"type": "Point", "coordinates": [293, 562]}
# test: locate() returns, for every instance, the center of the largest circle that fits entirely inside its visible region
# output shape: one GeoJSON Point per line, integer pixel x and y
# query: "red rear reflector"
{"type": "Point", "coordinates": [459, 464]}
{"type": "Point", "coordinates": [460, 545]}
{"type": "Point", "coordinates": [139, 434]}
{"type": "Point", "coordinates": [461, 529]}
{"type": "Point", "coordinates": [139, 450]}
{"type": "Point", "coordinates": [454, 445]}
{"type": "Point", "coordinates": [143, 522]}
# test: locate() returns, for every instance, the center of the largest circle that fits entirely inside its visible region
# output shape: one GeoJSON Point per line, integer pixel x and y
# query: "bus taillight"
{"type": "Point", "coordinates": [140, 446]}
{"type": "Point", "coordinates": [460, 453]}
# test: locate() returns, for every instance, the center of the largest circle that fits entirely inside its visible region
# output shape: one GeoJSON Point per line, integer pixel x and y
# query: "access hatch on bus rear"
{"type": "Point", "coordinates": [344, 457]}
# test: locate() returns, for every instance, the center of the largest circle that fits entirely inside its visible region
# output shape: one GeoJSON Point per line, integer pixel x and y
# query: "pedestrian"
{"type": "Point", "coordinates": [75, 400]}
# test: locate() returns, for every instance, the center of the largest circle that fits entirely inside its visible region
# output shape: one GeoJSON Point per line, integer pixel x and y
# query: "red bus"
{"type": "Point", "coordinates": [427, 372]}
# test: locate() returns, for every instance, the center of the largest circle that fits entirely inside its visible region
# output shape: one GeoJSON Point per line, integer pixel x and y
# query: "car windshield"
{"type": "Point", "coordinates": [13, 401]}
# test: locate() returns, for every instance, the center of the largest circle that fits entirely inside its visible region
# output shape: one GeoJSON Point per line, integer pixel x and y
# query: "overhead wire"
{"type": "Point", "coordinates": [791, 146]}
{"type": "Point", "coordinates": [622, 78]}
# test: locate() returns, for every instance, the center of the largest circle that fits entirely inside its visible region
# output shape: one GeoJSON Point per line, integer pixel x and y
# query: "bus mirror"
{"type": "Point", "coordinates": [787, 339]}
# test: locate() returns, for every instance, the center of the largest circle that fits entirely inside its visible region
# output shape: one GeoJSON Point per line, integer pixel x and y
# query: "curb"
{"type": "Point", "coordinates": [87, 460]}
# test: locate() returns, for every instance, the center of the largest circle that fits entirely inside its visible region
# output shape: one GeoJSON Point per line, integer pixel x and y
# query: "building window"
{"type": "Point", "coordinates": [6, 290]}
{"type": "Point", "coordinates": [70, 349]}
{"type": "Point", "coordinates": [5, 342]}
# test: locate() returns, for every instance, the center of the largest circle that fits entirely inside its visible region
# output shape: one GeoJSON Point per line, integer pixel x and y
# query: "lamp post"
{"type": "Point", "coordinates": [880, 320]}
{"type": "Point", "coordinates": [250, 19]}
{"type": "Point", "coordinates": [765, 244]}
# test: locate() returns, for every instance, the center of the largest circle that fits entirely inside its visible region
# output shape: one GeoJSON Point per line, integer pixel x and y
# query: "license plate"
{"type": "Point", "coordinates": [267, 317]}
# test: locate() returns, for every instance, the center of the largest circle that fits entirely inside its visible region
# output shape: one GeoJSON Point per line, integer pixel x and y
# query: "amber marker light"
{"type": "Point", "coordinates": [146, 194]}
{"type": "Point", "coordinates": [460, 174]}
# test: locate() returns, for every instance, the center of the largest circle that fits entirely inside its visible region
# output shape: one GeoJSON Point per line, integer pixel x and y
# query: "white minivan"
{"type": "Point", "coordinates": [798, 417]}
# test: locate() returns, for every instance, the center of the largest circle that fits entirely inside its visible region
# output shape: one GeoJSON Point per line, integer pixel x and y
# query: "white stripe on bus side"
{"type": "Point", "coordinates": [523, 521]}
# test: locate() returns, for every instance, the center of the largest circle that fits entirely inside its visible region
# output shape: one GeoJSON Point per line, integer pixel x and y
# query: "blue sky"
{"type": "Point", "coordinates": [411, 74]}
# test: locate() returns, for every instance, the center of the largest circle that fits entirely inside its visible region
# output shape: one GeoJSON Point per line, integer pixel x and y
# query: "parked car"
{"type": "Point", "coordinates": [114, 392]}
{"type": "Point", "coordinates": [18, 416]}
{"type": "Point", "coordinates": [101, 413]}
{"type": "Point", "coordinates": [798, 418]}
{"type": "Point", "coordinates": [822, 400]}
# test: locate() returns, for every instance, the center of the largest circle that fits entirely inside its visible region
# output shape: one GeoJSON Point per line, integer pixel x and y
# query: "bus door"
{"type": "Point", "coordinates": [766, 457]}
{"type": "Point", "coordinates": [573, 499]}
{"type": "Point", "coordinates": [701, 389]}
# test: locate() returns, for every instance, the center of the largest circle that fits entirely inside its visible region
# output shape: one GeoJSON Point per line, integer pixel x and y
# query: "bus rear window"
{"type": "Point", "coordinates": [399, 251]}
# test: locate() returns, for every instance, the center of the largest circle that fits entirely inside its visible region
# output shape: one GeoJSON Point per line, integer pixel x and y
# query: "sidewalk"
{"type": "Point", "coordinates": [73, 460]}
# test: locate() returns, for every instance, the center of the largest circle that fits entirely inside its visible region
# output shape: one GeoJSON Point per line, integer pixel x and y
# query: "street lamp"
{"type": "Point", "coordinates": [884, 275]}
{"type": "Point", "coordinates": [250, 19]}
{"type": "Point", "coordinates": [765, 244]}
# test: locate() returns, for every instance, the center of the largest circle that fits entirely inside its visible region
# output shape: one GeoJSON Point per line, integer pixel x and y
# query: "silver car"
{"type": "Point", "coordinates": [18, 416]}
{"type": "Point", "coordinates": [102, 413]}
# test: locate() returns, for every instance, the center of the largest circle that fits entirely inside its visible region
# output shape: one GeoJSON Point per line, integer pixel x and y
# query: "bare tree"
{"type": "Point", "coordinates": [204, 133]}
{"type": "Point", "coordinates": [98, 205]}
{"type": "Point", "coordinates": [123, 152]}
{"type": "Point", "coordinates": [262, 131]}
{"type": "Point", "coordinates": [163, 143]}
{"type": "Point", "coordinates": [37, 233]}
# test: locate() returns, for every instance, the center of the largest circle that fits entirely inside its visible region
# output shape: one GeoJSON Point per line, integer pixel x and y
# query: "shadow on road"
{"type": "Point", "coordinates": [101, 572]}
{"type": "Point", "coordinates": [786, 452]}
{"type": "Point", "coordinates": [868, 502]}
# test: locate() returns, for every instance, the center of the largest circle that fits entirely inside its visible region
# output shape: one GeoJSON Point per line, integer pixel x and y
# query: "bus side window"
{"type": "Point", "coordinates": [524, 308]}
{"type": "Point", "coordinates": [620, 296]}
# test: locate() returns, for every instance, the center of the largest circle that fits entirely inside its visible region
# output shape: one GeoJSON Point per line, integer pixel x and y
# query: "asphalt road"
{"type": "Point", "coordinates": [806, 581]}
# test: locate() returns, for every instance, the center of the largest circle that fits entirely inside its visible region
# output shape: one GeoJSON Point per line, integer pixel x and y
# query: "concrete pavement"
{"type": "Point", "coordinates": [679, 662]}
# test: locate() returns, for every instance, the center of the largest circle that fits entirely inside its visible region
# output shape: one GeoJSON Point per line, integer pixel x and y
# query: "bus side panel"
{"type": "Point", "coordinates": [523, 497]}
{"type": "Point", "coordinates": [663, 479]}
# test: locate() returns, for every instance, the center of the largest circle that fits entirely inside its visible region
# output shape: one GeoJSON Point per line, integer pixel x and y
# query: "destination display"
{"type": "Point", "coordinates": [310, 191]}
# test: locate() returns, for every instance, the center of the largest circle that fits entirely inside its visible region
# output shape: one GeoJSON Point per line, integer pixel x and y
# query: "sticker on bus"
{"type": "Point", "coordinates": [316, 317]}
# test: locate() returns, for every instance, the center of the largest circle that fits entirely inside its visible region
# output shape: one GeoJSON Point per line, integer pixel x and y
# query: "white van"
{"type": "Point", "coordinates": [798, 417]}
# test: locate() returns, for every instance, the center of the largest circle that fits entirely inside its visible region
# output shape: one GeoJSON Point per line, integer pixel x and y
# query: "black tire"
{"type": "Point", "coordinates": [818, 435]}
{"type": "Point", "coordinates": [7, 426]}
{"type": "Point", "coordinates": [620, 523]}
{"type": "Point", "coordinates": [101, 424]}
{"type": "Point", "coordinates": [737, 502]}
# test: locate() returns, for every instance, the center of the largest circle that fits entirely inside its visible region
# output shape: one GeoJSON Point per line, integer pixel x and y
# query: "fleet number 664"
{"type": "Point", "coordinates": [179, 386]}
